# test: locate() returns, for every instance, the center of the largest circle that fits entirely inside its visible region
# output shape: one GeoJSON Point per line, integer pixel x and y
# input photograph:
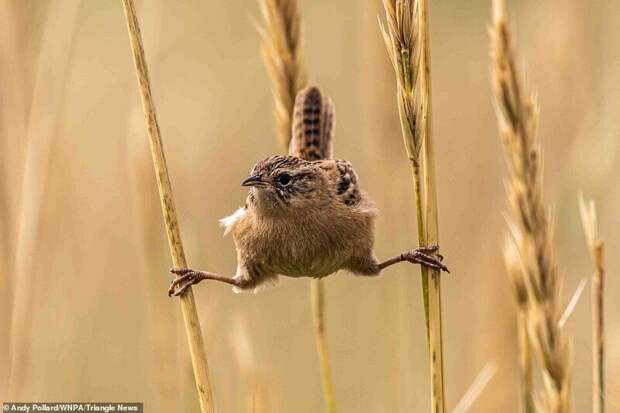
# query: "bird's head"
{"type": "Point", "coordinates": [286, 184]}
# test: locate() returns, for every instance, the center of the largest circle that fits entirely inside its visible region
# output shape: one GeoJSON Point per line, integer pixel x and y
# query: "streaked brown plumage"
{"type": "Point", "coordinates": [303, 217]}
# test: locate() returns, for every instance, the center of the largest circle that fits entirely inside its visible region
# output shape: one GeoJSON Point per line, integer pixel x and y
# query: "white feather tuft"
{"type": "Point", "coordinates": [228, 223]}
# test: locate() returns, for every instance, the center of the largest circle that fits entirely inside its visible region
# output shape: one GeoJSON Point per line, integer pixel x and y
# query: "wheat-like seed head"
{"type": "Point", "coordinates": [401, 41]}
{"type": "Point", "coordinates": [589, 221]}
{"type": "Point", "coordinates": [531, 222]}
{"type": "Point", "coordinates": [281, 50]}
{"type": "Point", "coordinates": [515, 268]}
{"type": "Point", "coordinates": [596, 247]}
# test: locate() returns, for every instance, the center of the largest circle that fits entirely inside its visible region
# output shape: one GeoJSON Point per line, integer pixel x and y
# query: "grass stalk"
{"type": "Point", "coordinates": [407, 41]}
{"type": "Point", "coordinates": [431, 214]}
{"type": "Point", "coordinates": [525, 363]}
{"type": "Point", "coordinates": [188, 305]}
{"type": "Point", "coordinates": [5, 297]}
{"type": "Point", "coordinates": [281, 49]}
{"type": "Point", "coordinates": [12, 124]}
{"type": "Point", "coordinates": [317, 301]}
{"type": "Point", "coordinates": [597, 252]}
{"type": "Point", "coordinates": [476, 388]}
{"type": "Point", "coordinates": [160, 322]}
{"type": "Point", "coordinates": [253, 378]}
{"type": "Point", "coordinates": [50, 81]}
{"type": "Point", "coordinates": [513, 265]}
{"type": "Point", "coordinates": [318, 316]}
{"type": "Point", "coordinates": [530, 221]}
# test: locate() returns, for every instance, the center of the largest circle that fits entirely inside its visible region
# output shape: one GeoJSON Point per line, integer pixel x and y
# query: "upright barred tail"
{"type": "Point", "coordinates": [313, 125]}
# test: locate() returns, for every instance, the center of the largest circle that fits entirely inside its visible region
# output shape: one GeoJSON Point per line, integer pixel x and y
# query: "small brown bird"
{"type": "Point", "coordinates": [305, 216]}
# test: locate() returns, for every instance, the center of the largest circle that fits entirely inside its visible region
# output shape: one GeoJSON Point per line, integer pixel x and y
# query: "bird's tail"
{"type": "Point", "coordinates": [313, 125]}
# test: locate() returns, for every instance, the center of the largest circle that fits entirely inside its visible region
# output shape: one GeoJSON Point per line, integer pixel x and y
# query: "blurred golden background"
{"type": "Point", "coordinates": [83, 255]}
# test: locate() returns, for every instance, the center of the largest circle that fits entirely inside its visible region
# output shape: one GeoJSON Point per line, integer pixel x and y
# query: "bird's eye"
{"type": "Point", "coordinates": [284, 179]}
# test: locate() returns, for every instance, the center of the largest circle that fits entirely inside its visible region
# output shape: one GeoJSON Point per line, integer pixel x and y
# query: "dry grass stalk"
{"type": "Point", "coordinates": [572, 303]}
{"type": "Point", "coordinates": [596, 247]}
{"type": "Point", "coordinates": [515, 271]}
{"type": "Point", "coordinates": [530, 221]}
{"type": "Point", "coordinates": [407, 41]}
{"type": "Point", "coordinates": [431, 218]}
{"type": "Point", "coordinates": [12, 125]}
{"type": "Point", "coordinates": [5, 297]}
{"type": "Point", "coordinates": [241, 344]}
{"type": "Point", "coordinates": [281, 49]}
{"type": "Point", "coordinates": [15, 87]}
{"type": "Point", "coordinates": [402, 41]}
{"type": "Point", "coordinates": [188, 305]}
{"type": "Point", "coordinates": [160, 323]}
{"type": "Point", "coordinates": [52, 66]}
{"type": "Point", "coordinates": [476, 388]}
{"type": "Point", "coordinates": [317, 297]}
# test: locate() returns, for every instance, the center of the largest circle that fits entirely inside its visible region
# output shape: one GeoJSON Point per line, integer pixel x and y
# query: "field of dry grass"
{"type": "Point", "coordinates": [84, 259]}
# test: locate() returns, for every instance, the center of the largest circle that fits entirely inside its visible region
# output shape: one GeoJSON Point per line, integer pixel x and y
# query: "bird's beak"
{"type": "Point", "coordinates": [254, 180]}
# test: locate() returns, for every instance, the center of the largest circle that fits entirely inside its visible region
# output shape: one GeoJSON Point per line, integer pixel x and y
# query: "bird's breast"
{"type": "Point", "coordinates": [315, 245]}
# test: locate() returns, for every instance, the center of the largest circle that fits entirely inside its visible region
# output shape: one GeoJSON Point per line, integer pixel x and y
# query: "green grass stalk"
{"type": "Point", "coordinates": [431, 214]}
{"type": "Point", "coordinates": [407, 41]}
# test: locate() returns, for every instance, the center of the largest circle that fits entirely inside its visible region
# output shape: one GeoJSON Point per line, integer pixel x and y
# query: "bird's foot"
{"type": "Point", "coordinates": [428, 256]}
{"type": "Point", "coordinates": [185, 278]}
{"type": "Point", "coordinates": [432, 250]}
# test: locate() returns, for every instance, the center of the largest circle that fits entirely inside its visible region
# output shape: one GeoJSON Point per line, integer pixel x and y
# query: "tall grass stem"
{"type": "Point", "coordinates": [318, 316]}
{"type": "Point", "coordinates": [431, 216]}
{"type": "Point", "coordinates": [188, 305]}
{"type": "Point", "coordinates": [596, 246]}
{"type": "Point", "coordinates": [407, 40]}
{"type": "Point", "coordinates": [281, 48]}
{"type": "Point", "coordinates": [530, 222]}
{"type": "Point", "coordinates": [47, 98]}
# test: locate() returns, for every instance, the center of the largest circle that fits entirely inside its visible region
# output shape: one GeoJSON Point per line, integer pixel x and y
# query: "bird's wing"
{"type": "Point", "coordinates": [313, 125]}
{"type": "Point", "coordinates": [346, 185]}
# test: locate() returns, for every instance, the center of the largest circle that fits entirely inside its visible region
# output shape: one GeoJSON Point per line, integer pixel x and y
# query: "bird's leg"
{"type": "Point", "coordinates": [187, 277]}
{"type": "Point", "coordinates": [425, 256]}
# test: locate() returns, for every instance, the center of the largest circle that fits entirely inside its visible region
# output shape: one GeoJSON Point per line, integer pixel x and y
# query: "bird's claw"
{"type": "Point", "coordinates": [426, 256]}
{"type": "Point", "coordinates": [180, 271]}
{"type": "Point", "coordinates": [433, 250]}
{"type": "Point", "coordinates": [185, 278]}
